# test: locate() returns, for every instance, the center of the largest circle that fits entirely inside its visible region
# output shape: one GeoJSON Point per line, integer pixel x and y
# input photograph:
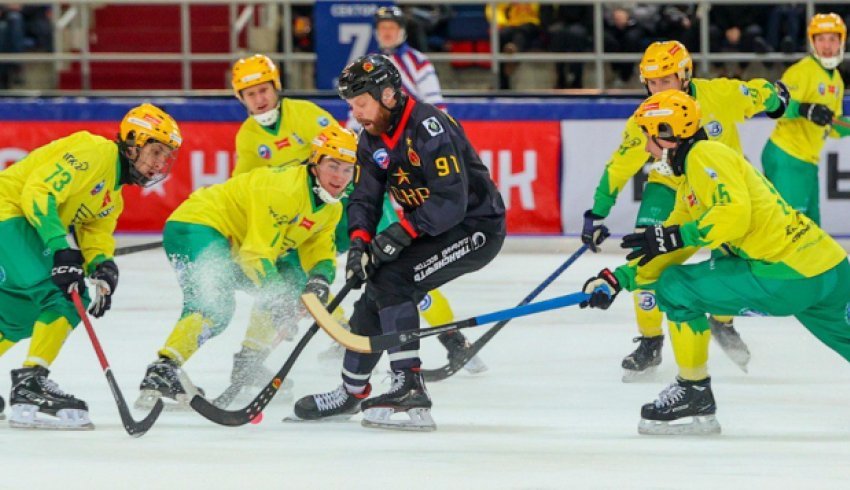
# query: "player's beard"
{"type": "Point", "coordinates": [379, 124]}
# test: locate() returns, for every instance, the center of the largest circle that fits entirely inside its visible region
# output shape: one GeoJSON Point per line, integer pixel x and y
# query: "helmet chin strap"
{"type": "Point", "coordinates": [325, 195]}
{"type": "Point", "coordinates": [662, 166]}
{"type": "Point", "coordinates": [267, 118]}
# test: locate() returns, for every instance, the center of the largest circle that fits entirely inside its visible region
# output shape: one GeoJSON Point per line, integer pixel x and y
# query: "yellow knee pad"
{"type": "Point", "coordinates": [435, 309]}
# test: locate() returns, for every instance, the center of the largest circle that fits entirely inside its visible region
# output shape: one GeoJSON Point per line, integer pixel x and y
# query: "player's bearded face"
{"type": "Point", "coordinates": [369, 113]}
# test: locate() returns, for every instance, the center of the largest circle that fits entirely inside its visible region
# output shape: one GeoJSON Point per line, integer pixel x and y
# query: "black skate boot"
{"type": "Point", "coordinates": [644, 360]}
{"type": "Point", "coordinates": [37, 402]}
{"type": "Point", "coordinates": [164, 379]}
{"type": "Point", "coordinates": [684, 407]}
{"type": "Point", "coordinates": [457, 347]}
{"type": "Point", "coordinates": [337, 405]}
{"type": "Point", "coordinates": [2, 406]}
{"type": "Point", "coordinates": [407, 395]}
{"type": "Point", "coordinates": [730, 341]}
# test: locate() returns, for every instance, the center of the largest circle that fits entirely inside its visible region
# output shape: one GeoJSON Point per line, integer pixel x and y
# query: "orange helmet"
{"type": "Point", "coordinates": [822, 24]}
{"type": "Point", "coordinates": [335, 142]}
{"type": "Point", "coordinates": [664, 58]}
{"type": "Point", "coordinates": [671, 114]}
{"type": "Point", "coordinates": [254, 70]}
{"type": "Point", "coordinates": [148, 122]}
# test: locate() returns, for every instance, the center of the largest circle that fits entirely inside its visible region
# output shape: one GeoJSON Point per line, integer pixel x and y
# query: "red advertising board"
{"type": "Point", "coordinates": [524, 158]}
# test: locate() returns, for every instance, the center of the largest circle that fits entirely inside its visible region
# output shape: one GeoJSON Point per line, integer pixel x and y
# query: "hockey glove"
{"type": "Point", "coordinates": [602, 288]}
{"type": "Point", "coordinates": [357, 265]}
{"type": "Point", "coordinates": [67, 272]}
{"type": "Point", "coordinates": [388, 244]}
{"type": "Point", "coordinates": [319, 286]}
{"type": "Point", "coordinates": [593, 233]}
{"type": "Point", "coordinates": [105, 279]}
{"type": "Point", "coordinates": [652, 241]}
{"type": "Point", "coordinates": [816, 113]}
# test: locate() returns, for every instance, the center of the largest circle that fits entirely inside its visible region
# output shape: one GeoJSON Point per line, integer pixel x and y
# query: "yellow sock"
{"type": "Point", "coordinates": [190, 332]}
{"type": "Point", "coordinates": [338, 314]}
{"type": "Point", "coordinates": [723, 318]}
{"type": "Point", "coordinates": [5, 344]}
{"type": "Point", "coordinates": [48, 335]}
{"type": "Point", "coordinates": [261, 332]}
{"type": "Point", "coordinates": [435, 309]}
{"type": "Point", "coordinates": [649, 317]}
{"type": "Point", "coordinates": [690, 345]}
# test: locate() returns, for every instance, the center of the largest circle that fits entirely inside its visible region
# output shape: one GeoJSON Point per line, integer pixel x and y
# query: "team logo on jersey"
{"type": "Point", "coordinates": [822, 88]}
{"type": "Point", "coordinates": [478, 240]}
{"type": "Point", "coordinates": [692, 199]}
{"type": "Point", "coordinates": [99, 187]}
{"type": "Point", "coordinates": [433, 126]}
{"type": "Point", "coordinates": [711, 173]}
{"type": "Point", "coordinates": [281, 144]}
{"type": "Point", "coordinates": [831, 89]}
{"type": "Point", "coordinates": [382, 159]}
{"type": "Point", "coordinates": [402, 176]}
{"type": "Point", "coordinates": [307, 224]}
{"type": "Point", "coordinates": [646, 300]}
{"type": "Point", "coordinates": [298, 139]}
{"type": "Point", "coordinates": [745, 90]}
{"type": "Point", "coordinates": [264, 152]}
{"type": "Point", "coordinates": [713, 128]}
{"type": "Point", "coordinates": [412, 156]}
{"type": "Point", "coordinates": [323, 121]}
{"type": "Point", "coordinates": [425, 303]}
{"type": "Point", "coordinates": [106, 200]}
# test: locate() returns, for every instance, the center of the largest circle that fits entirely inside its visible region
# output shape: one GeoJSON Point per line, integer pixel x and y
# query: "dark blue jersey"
{"type": "Point", "coordinates": [429, 167]}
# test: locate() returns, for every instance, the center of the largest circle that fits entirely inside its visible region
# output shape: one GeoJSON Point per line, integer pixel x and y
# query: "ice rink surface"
{"type": "Point", "coordinates": [551, 412]}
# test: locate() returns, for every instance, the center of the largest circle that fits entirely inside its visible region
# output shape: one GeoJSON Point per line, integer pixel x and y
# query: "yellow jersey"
{"type": "Point", "coordinates": [73, 181]}
{"type": "Point", "coordinates": [724, 202]}
{"type": "Point", "coordinates": [287, 143]}
{"type": "Point", "coordinates": [808, 82]}
{"type": "Point", "coordinates": [265, 214]}
{"type": "Point", "coordinates": [724, 103]}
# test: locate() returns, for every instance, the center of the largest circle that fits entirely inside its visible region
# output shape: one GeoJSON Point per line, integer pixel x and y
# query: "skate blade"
{"type": "Point", "coordinates": [698, 425]}
{"type": "Point", "coordinates": [342, 418]}
{"type": "Point", "coordinates": [29, 417]}
{"type": "Point", "coordinates": [475, 366]}
{"type": "Point", "coordinates": [147, 399]}
{"type": "Point", "coordinates": [647, 374]}
{"type": "Point", "coordinates": [381, 418]}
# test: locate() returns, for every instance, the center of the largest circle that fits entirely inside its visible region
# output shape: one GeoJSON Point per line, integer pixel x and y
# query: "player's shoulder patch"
{"type": "Point", "coordinates": [322, 121]}
{"type": "Point", "coordinates": [381, 157]}
{"type": "Point", "coordinates": [744, 89]}
{"type": "Point", "coordinates": [433, 126]}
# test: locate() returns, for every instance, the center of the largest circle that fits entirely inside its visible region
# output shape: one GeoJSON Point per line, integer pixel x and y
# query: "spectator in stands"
{"type": "Point", "coordinates": [38, 27]}
{"type": "Point", "coordinates": [425, 23]}
{"type": "Point", "coordinates": [784, 23]}
{"type": "Point", "coordinates": [568, 29]}
{"type": "Point", "coordinates": [737, 29]}
{"type": "Point", "coordinates": [11, 41]}
{"type": "Point", "coordinates": [519, 30]}
{"type": "Point", "coordinates": [623, 34]}
{"type": "Point", "coordinates": [302, 28]}
{"type": "Point", "coordinates": [678, 22]}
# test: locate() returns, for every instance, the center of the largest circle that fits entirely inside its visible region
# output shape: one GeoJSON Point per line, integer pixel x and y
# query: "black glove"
{"type": "Point", "coordinates": [319, 286]}
{"type": "Point", "coordinates": [652, 242]}
{"type": "Point", "coordinates": [388, 244]}
{"type": "Point", "coordinates": [602, 288]}
{"type": "Point", "coordinates": [357, 265]}
{"type": "Point", "coordinates": [593, 232]}
{"type": "Point", "coordinates": [105, 279]}
{"type": "Point", "coordinates": [67, 272]}
{"type": "Point", "coordinates": [784, 97]}
{"type": "Point", "coordinates": [816, 113]}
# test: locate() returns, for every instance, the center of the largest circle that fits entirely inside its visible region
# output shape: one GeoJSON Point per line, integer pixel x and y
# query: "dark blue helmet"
{"type": "Point", "coordinates": [371, 73]}
{"type": "Point", "coordinates": [392, 13]}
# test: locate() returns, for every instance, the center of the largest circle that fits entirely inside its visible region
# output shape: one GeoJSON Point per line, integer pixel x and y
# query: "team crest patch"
{"type": "Point", "coordinates": [425, 303]}
{"type": "Point", "coordinates": [433, 126]}
{"type": "Point", "coordinates": [265, 152]}
{"type": "Point", "coordinates": [99, 187]}
{"type": "Point", "coordinates": [713, 128]}
{"type": "Point", "coordinates": [822, 88]}
{"type": "Point", "coordinates": [323, 121]}
{"type": "Point", "coordinates": [478, 240]}
{"type": "Point", "coordinates": [412, 156]}
{"type": "Point", "coordinates": [382, 159]}
{"type": "Point", "coordinates": [646, 301]}
{"type": "Point", "coordinates": [711, 173]}
{"type": "Point", "coordinates": [745, 90]}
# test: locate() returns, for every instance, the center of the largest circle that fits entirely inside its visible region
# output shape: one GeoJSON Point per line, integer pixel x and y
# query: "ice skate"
{"type": "Point", "coordinates": [38, 403]}
{"type": "Point", "coordinates": [457, 347]}
{"type": "Point", "coordinates": [407, 395]}
{"type": "Point", "coordinates": [643, 362]}
{"type": "Point", "coordinates": [248, 368]}
{"type": "Point", "coordinates": [164, 379]}
{"type": "Point", "coordinates": [730, 341]}
{"type": "Point", "coordinates": [337, 405]}
{"type": "Point", "coordinates": [684, 407]}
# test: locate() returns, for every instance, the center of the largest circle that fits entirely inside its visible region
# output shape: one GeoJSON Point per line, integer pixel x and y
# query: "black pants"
{"type": "Point", "coordinates": [393, 291]}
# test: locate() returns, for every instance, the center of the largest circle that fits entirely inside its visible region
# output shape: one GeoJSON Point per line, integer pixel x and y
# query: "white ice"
{"type": "Point", "coordinates": [550, 413]}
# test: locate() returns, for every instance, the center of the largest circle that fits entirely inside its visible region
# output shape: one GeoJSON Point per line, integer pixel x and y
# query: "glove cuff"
{"type": "Point", "coordinates": [361, 234]}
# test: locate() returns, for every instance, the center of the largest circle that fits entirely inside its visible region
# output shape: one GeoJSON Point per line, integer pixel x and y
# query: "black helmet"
{"type": "Point", "coordinates": [371, 73]}
{"type": "Point", "coordinates": [392, 13]}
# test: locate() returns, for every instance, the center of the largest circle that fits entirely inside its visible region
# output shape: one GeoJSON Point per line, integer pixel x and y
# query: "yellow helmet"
{"type": "Point", "coordinates": [335, 142]}
{"type": "Point", "coordinates": [822, 24]}
{"type": "Point", "coordinates": [148, 122]}
{"type": "Point", "coordinates": [664, 58]}
{"type": "Point", "coordinates": [671, 114]}
{"type": "Point", "coordinates": [254, 70]}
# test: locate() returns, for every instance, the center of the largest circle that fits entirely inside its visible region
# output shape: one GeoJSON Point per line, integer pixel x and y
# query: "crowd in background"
{"type": "Point", "coordinates": [22, 29]}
